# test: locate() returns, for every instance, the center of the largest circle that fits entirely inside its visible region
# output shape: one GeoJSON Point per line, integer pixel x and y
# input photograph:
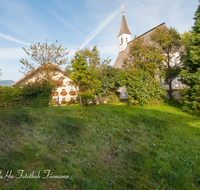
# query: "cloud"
{"type": "Point", "coordinates": [12, 53]}
{"type": "Point", "coordinates": [99, 28]}
{"type": "Point", "coordinates": [13, 39]}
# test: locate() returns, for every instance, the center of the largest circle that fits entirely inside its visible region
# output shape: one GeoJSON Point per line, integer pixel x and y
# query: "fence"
{"type": "Point", "coordinates": [27, 103]}
{"type": "Point", "coordinates": [47, 103]}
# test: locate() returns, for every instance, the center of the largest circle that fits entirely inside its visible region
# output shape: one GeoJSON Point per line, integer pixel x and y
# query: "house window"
{"type": "Point", "coordinates": [63, 90]}
{"type": "Point", "coordinates": [63, 99]}
{"type": "Point", "coordinates": [72, 99]}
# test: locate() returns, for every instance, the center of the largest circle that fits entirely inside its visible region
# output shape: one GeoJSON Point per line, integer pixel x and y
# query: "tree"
{"type": "Point", "coordinates": [84, 71]}
{"type": "Point", "coordinates": [145, 56]}
{"type": "Point", "coordinates": [169, 42]}
{"type": "Point", "coordinates": [142, 68]}
{"type": "Point", "coordinates": [47, 57]}
{"type": "Point", "coordinates": [142, 88]}
{"type": "Point", "coordinates": [111, 79]}
{"type": "Point", "coordinates": [190, 75]}
{"type": "Point", "coordinates": [185, 39]}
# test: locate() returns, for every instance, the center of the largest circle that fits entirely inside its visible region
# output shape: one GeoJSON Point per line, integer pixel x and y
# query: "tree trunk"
{"type": "Point", "coordinates": [170, 77]}
{"type": "Point", "coordinates": [79, 96]}
{"type": "Point", "coordinates": [170, 88]}
{"type": "Point", "coordinates": [80, 99]}
{"type": "Point", "coordinates": [58, 101]}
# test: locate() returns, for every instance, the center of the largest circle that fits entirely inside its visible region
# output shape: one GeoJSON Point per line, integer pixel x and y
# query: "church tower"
{"type": "Point", "coordinates": [124, 35]}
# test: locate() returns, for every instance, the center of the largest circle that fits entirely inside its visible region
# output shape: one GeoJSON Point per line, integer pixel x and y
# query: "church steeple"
{"type": "Point", "coordinates": [124, 35]}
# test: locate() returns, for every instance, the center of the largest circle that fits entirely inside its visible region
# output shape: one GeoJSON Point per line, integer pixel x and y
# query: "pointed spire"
{"type": "Point", "coordinates": [123, 10]}
{"type": "Point", "coordinates": [124, 28]}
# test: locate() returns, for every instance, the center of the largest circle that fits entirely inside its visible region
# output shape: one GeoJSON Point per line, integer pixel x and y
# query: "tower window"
{"type": "Point", "coordinates": [121, 40]}
{"type": "Point", "coordinates": [126, 40]}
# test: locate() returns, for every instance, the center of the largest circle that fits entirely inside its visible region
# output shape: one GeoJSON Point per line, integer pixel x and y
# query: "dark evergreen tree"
{"type": "Point", "coordinates": [191, 71]}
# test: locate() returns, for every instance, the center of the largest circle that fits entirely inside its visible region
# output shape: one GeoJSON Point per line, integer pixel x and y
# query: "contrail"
{"type": "Point", "coordinates": [13, 39]}
{"type": "Point", "coordinates": [67, 24]}
{"type": "Point", "coordinates": [99, 28]}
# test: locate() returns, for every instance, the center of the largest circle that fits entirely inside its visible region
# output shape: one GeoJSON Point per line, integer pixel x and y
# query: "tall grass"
{"type": "Point", "coordinates": [101, 147]}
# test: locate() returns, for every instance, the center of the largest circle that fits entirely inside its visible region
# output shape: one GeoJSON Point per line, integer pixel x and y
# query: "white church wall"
{"type": "Point", "coordinates": [125, 38]}
{"type": "Point", "coordinates": [123, 93]}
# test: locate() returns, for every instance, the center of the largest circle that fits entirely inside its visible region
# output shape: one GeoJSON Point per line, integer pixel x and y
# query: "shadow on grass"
{"type": "Point", "coordinates": [174, 103]}
{"type": "Point", "coordinates": [139, 148]}
{"type": "Point", "coordinates": [36, 140]}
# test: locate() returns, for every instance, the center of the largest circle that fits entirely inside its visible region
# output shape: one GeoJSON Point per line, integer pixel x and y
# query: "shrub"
{"type": "Point", "coordinates": [31, 93]}
{"type": "Point", "coordinates": [142, 88]}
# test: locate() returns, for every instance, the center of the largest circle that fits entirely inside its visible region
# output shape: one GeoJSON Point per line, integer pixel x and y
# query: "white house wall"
{"type": "Point", "coordinates": [67, 87]}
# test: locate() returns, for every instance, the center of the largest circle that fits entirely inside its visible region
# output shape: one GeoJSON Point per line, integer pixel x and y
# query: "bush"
{"type": "Point", "coordinates": [9, 94]}
{"type": "Point", "coordinates": [30, 94]}
{"type": "Point", "coordinates": [142, 88]}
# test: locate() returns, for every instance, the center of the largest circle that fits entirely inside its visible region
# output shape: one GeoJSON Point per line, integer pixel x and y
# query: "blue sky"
{"type": "Point", "coordinates": [80, 23]}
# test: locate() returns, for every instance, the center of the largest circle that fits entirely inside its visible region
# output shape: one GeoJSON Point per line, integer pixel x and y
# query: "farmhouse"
{"type": "Point", "coordinates": [125, 42]}
{"type": "Point", "coordinates": [65, 92]}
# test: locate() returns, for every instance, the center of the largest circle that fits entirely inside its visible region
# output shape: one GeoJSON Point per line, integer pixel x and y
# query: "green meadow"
{"type": "Point", "coordinates": [101, 147]}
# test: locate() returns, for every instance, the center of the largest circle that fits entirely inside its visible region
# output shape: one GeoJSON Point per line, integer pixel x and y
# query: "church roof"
{"type": "Point", "coordinates": [124, 27]}
{"type": "Point", "coordinates": [122, 55]}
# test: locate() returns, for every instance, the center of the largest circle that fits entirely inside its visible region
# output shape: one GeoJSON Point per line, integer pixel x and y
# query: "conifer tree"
{"type": "Point", "coordinates": [191, 72]}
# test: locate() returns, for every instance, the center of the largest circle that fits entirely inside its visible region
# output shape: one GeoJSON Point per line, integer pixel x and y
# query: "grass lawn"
{"type": "Point", "coordinates": [100, 147]}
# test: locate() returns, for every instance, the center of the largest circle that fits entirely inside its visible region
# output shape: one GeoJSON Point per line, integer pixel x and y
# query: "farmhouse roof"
{"type": "Point", "coordinates": [33, 72]}
{"type": "Point", "coordinates": [122, 55]}
{"type": "Point", "coordinates": [124, 27]}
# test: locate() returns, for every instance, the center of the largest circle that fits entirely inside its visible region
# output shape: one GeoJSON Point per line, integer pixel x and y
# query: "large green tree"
{"type": "Point", "coordinates": [191, 71]}
{"type": "Point", "coordinates": [169, 42]}
{"type": "Point", "coordinates": [142, 69]}
{"type": "Point", "coordinates": [185, 39]}
{"type": "Point", "coordinates": [84, 71]}
{"type": "Point", "coordinates": [145, 56]}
